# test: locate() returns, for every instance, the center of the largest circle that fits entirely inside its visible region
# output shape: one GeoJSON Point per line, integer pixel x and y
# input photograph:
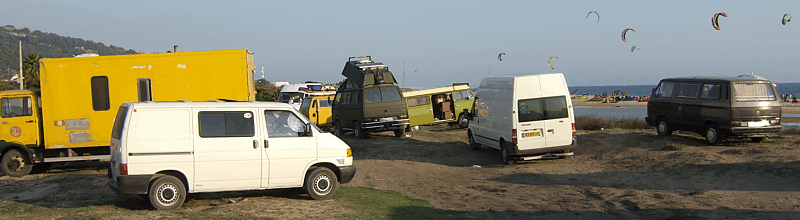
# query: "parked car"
{"type": "Point", "coordinates": [165, 150]}
{"type": "Point", "coordinates": [716, 107]}
{"type": "Point", "coordinates": [524, 117]}
{"type": "Point", "coordinates": [318, 110]}
{"type": "Point", "coordinates": [439, 105]}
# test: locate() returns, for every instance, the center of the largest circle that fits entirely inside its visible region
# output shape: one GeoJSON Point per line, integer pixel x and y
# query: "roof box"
{"type": "Point", "coordinates": [362, 71]}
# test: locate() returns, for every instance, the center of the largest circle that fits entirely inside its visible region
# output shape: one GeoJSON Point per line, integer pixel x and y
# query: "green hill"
{"type": "Point", "coordinates": [48, 44]}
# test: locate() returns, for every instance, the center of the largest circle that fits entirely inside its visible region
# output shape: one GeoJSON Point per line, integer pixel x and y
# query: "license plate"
{"type": "Point", "coordinates": [386, 119]}
{"type": "Point", "coordinates": [532, 134]}
{"type": "Point", "coordinates": [758, 124]}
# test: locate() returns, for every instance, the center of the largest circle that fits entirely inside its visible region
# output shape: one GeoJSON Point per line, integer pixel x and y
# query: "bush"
{"type": "Point", "coordinates": [597, 123]}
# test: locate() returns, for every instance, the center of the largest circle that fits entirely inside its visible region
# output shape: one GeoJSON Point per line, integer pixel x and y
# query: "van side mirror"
{"type": "Point", "coordinates": [307, 132]}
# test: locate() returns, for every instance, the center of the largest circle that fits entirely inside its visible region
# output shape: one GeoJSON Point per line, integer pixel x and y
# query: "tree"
{"type": "Point", "coordinates": [266, 91]}
{"type": "Point", "coordinates": [30, 69]}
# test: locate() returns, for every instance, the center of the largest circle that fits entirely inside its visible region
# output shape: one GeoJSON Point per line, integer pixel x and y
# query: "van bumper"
{"type": "Point", "coordinates": [131, 184]}
{"type": "Point", "coordinates": [385, 125]}
{"type": "Point", "coordinates": [347, 173]}
{"type": "Point", "coordinates": [517, 152]}
{"type": "Point", "coordinates": [756, 132]}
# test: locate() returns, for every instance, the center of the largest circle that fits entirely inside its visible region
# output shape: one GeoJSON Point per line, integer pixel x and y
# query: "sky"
{"type": "Point", "coordinates": [436, 43]}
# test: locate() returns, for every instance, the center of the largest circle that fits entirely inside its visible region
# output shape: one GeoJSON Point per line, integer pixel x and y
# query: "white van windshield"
{"type": "Point", "coordinates": [750, 92]}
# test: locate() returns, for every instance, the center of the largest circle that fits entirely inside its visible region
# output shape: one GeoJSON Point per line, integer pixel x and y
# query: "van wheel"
{"type": "Point", "coordinates": [474, 145]}
{"type": "Point", "coordinates": [167, 193]}
{"type": "Point", "coordinates": [757, 139]}
{"type": "Point", "coordinates": [337, 129]}
{"type": "Point", "coordinates": [358, 132]}
{"type": "Point", "coordinates": [713, 137]}
{"type": "Point", "coordinates": [662, 128]}
{"type": "Point", "coordinates": [400, 133]}
{"type": "Point", "coordinates": [14, 164]}
{"type": "Point", "coordinates": [321, 184]}
{"type": "Point", "coordinates": [463, 121]}
{"type": "Point", "coordinates": [506, 156]}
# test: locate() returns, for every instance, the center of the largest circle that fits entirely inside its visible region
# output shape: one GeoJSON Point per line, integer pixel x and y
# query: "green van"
{"type": "Point", "coordinates": [439, 105]}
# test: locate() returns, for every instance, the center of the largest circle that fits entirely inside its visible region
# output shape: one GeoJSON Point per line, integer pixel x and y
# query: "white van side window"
{"type": "Point", "coordinates": [283, 124]}
{"type": "Point", "coordinates": [711, 91]}
{"type": "Point", "coordinates": [665, 90]}
{"type": "Point", "coordinates": [227, 124]}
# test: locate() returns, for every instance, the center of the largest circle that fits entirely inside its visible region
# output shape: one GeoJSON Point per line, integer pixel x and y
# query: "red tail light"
{"type": "Point", "coordinates": [573, 130]}
{"type": "Point", "coordinates": [403, 116]}
{"type": "Point", "coordinates": [514, 135]}
{"type": "Point", "coordinates": [123, 169]}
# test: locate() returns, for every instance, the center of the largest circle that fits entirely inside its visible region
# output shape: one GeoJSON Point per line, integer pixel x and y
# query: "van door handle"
{"type": "Point", "coordinates": [30, 121]}
{"type": "Point", "coordinates": [5, 122]}
{"type": "Point", "coordinates": [550, 130]}
{"type": "Point", "coordinates": [266, 144]}
{"type": "Point", "coordinates": [560, 121]}
{"type": "Point", "coordinates": [255, 144]}
{"type": "Point", "coordinates": [313, 115]}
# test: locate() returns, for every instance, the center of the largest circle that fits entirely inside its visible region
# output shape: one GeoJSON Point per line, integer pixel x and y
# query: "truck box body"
{"type": "Point", "coordinates": [80, 95]}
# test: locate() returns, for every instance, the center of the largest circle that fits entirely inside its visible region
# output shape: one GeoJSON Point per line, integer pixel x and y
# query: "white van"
{"type": "Point", "coordinates": [526, 117]}
{"type": "Point", "coordinates": [168, 149]}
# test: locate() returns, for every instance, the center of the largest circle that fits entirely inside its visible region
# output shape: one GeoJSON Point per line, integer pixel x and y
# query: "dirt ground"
{"type": "Point", "coordinates": [620, 174]}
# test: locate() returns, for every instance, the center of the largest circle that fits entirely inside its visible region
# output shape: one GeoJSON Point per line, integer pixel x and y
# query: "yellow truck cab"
{"type": "Point", "coordinates": [318, 109]}
{"type": "Point", "coordinates": [439, 105]}
{"type": "Point", "coordinates": [70, 118]}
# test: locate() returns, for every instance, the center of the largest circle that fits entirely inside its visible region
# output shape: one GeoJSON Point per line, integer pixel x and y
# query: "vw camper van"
{"type": "Point", "coordinates": [165, 150]}
{"type": "Point", "coordinates": [716, 107]}
{"type": "Point", "coordinates": [524, 117]}
{"type": "Point", "coordinates": [318, 110]}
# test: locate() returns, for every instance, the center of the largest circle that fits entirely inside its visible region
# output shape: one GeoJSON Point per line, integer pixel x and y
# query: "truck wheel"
{"type": "Point", "coordinates": [167, 193]}
{"type": "Point", "coordinates": [463, 122]}
{"type": "Point", "coordinates": [662, 128]}
{"type": "Point", "coordinates": [357, 131]}
{"type": "Point", "coordinates": [400, 133]}
{"type": "Point", "coordinates": [321, 183]}
{"type": "Point", "coordinates": [14, 164]}
{"type": "Point", "coordinates": [337, 129]}
{"type": "Point", "coordinates": [713, 137]}
{"type": "Point", "coordinates": [506, 156]}
{"type": "Point", "coordinates": [474, 145]}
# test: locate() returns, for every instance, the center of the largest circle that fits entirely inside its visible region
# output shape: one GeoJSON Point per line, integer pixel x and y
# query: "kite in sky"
{"type": "Point", "coordinates": [786, 19]}
{"type": "Point", "coordinates": [626, 31]}
{"type": "Point", "coordinates": [598, 15]}
{"type": "Point", "coordinates": [548, 61]}
{"type": "Point", "coordinates": [500, 56]}
{"type": "Point", "coordinates": [714, 21]}
{"type": "Point", "coordinates": [634, 48]}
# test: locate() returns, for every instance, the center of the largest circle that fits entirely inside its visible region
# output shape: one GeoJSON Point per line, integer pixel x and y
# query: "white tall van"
{"type": "Point", "coordinates": [168, 149]}
{"type": "Point", "coordinates": [523, 116]}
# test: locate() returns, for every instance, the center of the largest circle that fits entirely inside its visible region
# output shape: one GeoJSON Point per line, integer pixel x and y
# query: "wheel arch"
{"type": "Point", "coordinates": [8, 146]}
{"type": "Point", "coordinates": [175, 173]}
{"type": "Point", "coordinates": [328, 165]}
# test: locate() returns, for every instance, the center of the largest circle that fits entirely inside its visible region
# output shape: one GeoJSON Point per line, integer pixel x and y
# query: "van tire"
{"type": "Point", "coordinates": [357, 131]}
{"type": "Point", "coordinates": [337, 129]}
{"type": "Point", "coordinates": [321, 183]}
{"type": "Point", "coordinates": [712, 135]}
{"type": "Point", "coordinates": [463, 122]}
{"type": "Point", "coordinates": [400, 133]}
{"type": "Point", "coordinates": [166, 193]}
{"type": "Point", "coordinates": [662, 128]}
{"type": "Point", "coordinates": [472, 144]}
{"type": "Point", "coordinates": [14, 164]}
{"type": "Point", "coordinates": [505, 155]}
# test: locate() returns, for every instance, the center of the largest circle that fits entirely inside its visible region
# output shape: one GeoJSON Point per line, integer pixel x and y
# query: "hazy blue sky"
{"type": "Point", "coordinates": [448, 41]}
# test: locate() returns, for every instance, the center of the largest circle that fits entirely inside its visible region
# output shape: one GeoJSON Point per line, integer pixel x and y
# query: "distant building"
{"type": "Point", "coordinates": [279, 84]}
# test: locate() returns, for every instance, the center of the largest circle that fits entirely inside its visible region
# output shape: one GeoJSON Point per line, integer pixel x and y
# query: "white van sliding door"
{"type": "Point", "coordinates": [288, 153]}
{"type": "Point", "coordinates": [227, 150]}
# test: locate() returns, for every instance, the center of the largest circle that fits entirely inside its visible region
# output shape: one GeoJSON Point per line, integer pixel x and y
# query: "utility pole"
{"type": "Point", "coordinates": [20, 66]}
{"type": "Point", "coordinates": [404, 74]}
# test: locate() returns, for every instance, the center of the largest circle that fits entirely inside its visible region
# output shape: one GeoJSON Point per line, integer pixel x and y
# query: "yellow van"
{"type": "Point", "coordinates": [318, 109]}
{"type": "Point", "coordinates": [439, 105]}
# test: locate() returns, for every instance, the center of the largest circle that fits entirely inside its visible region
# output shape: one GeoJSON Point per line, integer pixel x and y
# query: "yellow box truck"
{"type": "Point", "coordinates": [70, 117]}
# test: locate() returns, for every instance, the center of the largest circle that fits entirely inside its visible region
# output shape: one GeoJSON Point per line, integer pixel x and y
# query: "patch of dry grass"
{"type": "Point", "coordinates": [597, 123]}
